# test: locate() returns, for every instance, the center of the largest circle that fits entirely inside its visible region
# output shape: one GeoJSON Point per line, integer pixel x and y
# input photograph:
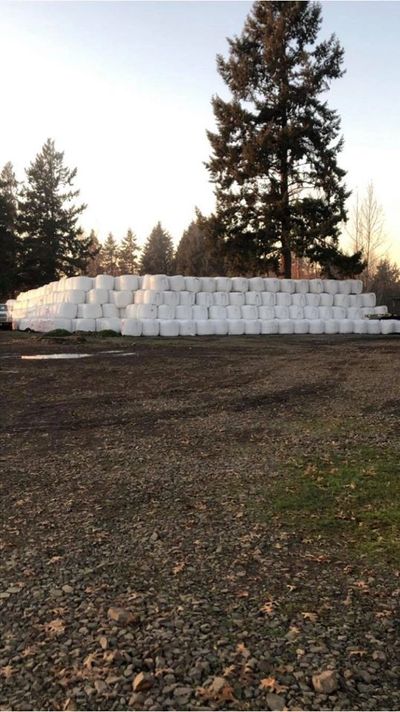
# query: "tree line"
{"type": "Point", "coordinates": [280, 191]}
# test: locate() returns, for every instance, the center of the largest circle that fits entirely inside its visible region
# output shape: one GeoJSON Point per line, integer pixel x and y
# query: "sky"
{"type": "Point", "coordinates": [124, 89]}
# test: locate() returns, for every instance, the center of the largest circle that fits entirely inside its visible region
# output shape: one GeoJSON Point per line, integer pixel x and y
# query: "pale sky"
{"type": "Point", "coordinates": [124, 88]}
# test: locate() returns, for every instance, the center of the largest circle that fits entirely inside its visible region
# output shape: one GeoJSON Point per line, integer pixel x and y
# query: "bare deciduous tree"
{"type": "Point", "coordinates": [367, 231]}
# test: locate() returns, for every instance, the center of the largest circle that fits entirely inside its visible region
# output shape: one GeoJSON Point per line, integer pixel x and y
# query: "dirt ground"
{"type": "Point", "coordinates": [203, 523]}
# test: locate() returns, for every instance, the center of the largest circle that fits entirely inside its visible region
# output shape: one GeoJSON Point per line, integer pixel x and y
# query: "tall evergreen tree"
{"type": "Point", "coordinates": [52, 241]}
{"type": "Point", "coordinates": [198, 252]}
{"type": "Point", "coordinates": [109, 255]}
{"type": "Point", "coordinates": [128, 262]}
{"type": "Point", "coordinates": [8, 232]}
{"type": "Point", "coordinates": [279, 188]}
{"type": "Point", "coordinates": [93, 265]}
{"type": "Point", "coordinates": [158, 253]}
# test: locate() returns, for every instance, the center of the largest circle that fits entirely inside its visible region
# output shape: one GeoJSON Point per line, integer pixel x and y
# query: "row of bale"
{"type": "Point", "coordinates": [153, 305]}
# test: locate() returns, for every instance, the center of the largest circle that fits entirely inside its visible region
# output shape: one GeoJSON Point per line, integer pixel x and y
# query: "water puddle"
{"type": "Point", "coordinates": [45, 357]}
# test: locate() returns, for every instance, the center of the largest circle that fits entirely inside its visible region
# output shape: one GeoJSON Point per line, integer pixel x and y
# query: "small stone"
{"type": "Point", "coordinates": [325, 682]}
{"type": "Point", "coordinates": [183, 694]}
{"type": "Point", "coordinates": [100, 686]}
{"type": "Point", "coordinates": [119, 615]}
{"type": "Point", "coordinates": [275, 702]}
{"type": "Point", "coordinates": [154, 537]}
{"type": "Point", "coordinates": [103, 642]}
{"type": "Point", "coordinates": [142, 681]}
{"type": "Point", "coordinates": [67, 588]}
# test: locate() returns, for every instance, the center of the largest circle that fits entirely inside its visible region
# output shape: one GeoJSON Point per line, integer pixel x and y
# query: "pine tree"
{"type": "Point", "coordinates": [191, 258]}
{"type": "Point", "coordinates": [9, 244]}
{"type": "Point", "coordinates": [52, 242]}
{"type": "Point", "coordinates": [128, 254]}
{"type": "Point", "coordinates": [109, 255]}
{"type": "Point", "coordinates": [93, 265]}
{"type": "Point", "coordinates": [279, 188]}
{"type": "Point", "coordinates": [158, 253]}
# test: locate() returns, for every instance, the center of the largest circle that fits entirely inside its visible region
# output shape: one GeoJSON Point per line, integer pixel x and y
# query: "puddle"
{"type": "Point", "coordinates": [45, 357]}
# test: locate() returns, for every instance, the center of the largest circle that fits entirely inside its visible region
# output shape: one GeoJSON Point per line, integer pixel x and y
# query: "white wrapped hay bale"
{"type": "Point", "coordinates": [341, 300]}
{"type": "Point", "coordinates": [73, 296]}
{"type": "Point", "coordinates": [266, 313]}
{"type": "Point", "coordinates": [150, 296]}
{"type": "Point", "coordinates": [146, 311]}
{"type": "Point", "coordinates": [240, 284]}
{"type": "Point", "coordinates": [296, 312]}
{"type": "Point", "coordinates": [236, 298]}
{"type": "Point", "coordinates": [367, 311]}
{"type": "Point", "coordinates": [192, 284]}
{"type": "Point", "coordinates": [186, 299]}
{"type": "Point", "coordinates": [131, 327]}
{"type": "Point", "coordinates": [65, 311]}
{"type": "Point", "coordinates": [339, 312]}
{"type": "Point", "coordinates": [121, 299]}
{"type": "Point", "coordinates": [109, 311]}
{"type": "Point", "coordinates": [171, 298]}
{"type": "Point", "coordinates": [177, 283]}
{"type": "Point", "coordinates": [331, 286]}
{"type": "Point", "coordinates": [281, 312]}
{"type": "Point", "coordinates": [103, 281]}
{"type": "Point", "coordinates": [89, 311]}
{"type": "Point", "coordinates": [122, 313]}
{"type": "Point", "coordinates": [272, 284]}
{"type": "Point", "coordinates": [368, 299]}
{"type": "Point", "coordinates": [169, 327]}
{"type": "Point", "coordinates": [355, 300]}
{"type": "Point", "coordinates": [208, 284]}
{"type": "Point", "coordinates": [254, 298]}
{"type": "Point", "coordinates": [301, 286]}
{"type": "Point", "coordinates": [388, 326]}
{"type": "Point", "coordinates": [165, 311]}
{"type": "Point", "coordinates": [287, 285]}
{"type": "Point", "coordinates": [269, 326]}
{"type": "Point", "coordinates": [45, 325]}
{"type": "Point", "coordinates": [256, 284]}
{"type": "Point", "coordinates": [235, 326]}
{"type": "Point", "coordinates": [183, 312]}
{"type": "Point", "coordinates": [217, 312]}
{"type": "Point", "coordinates": [112, 324]}
{"type": "Point", "coordinates": [79, 283]}
{"type": "Point", "coordinates": [344, 286]}
{"type": "Point", "coordinates": [381, 310]}
{"type": "Point", "coordinates": [220, 326]}
{"type": "Point", "coordinates": [204, 299]}
{"type": "Point", "coordinates": [313, 300]}
{"type": "Point", "coordinates": [83, 324]}
{"type": "Point", "coordinates": [220, 299]}
{"type": "Point", "coordinates": [354, 313]}
{"type": "Point", "coordinates": [199, 313]}
{"type": "Point", "coordinates": [316, 286]}
{"type": "Point", "coordinates": [301, 326]}
{"type": "Point", "coordinates": [233, 312]}
{"type": "Point", "coordinates": [131, 311]}
{"type": "Point", "coordinates": [311, 313]}
{"type": "Point", "coordinates": [252, 327]}
{"type": "Point", "coordinates": [145, 281]}
{"type": "Point", "coordinates": [326, 300]}
{"type": "Point", "coordinates": [97, 296]}
{"type": "Point", "coordinates": [331, 326]}
{"type": "Point", "coordinates": [126, 283]}
{"type": "Point", "coordinates": [360, 326]}
{"type": "Point", "coordinates": [224, 284]}
{"type": "Point", "coordinates": [325, 313]}
{"type": "Point", "coordinates": [187, 327]}
{"type": "Point", "coordinates": [283, 299]}
{"type": "Point", "coordinates": [346, 326]}
{"type": "Point", "coordinates": [249, 311]}
{"type": "Point", "coordinates": [285, 326]}
{"type": "Point", "coordinates": [151, 327]}
{"type": "Point", "coordinates": [138, 296]}
{"type": "Point", "coordinates": [204, 327]}
{"type": "Point", "coordinates": [299, 300]}
{"type": "Point", "coordinates": [268, 299]}
{"type": "Point", "coordinates": [159, 283]}
{"type": "Point", "coordinates": [356, 286]}
{"type": "Point", "coordinates": [316, 326]}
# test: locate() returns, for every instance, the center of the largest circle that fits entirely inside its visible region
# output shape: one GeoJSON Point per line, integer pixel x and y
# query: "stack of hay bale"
{"type": "Point", "coordinates": [156, 305]}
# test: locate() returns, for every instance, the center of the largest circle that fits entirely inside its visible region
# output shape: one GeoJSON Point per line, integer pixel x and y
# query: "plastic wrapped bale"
{"type": "Point", "coordinates": [146, 281]}
{"type": "Point", "coordinates": [177, 283]}
{"type": "Point", "coordinates": [186, 299]}
{"type": "Point", "coordinates": [331, 326]}
{"type": "Point", "coordinates": [192, 284]}
{"type": "Point", "coordinates": [103, 281]}
{"type": "Point", "coordinates": [131, 327]}
{"type": "Point", "coordinates": [296, 312]}
{"type": "Point", "coordinates": [199, 313]}
{"type": "Point", "coordinates": [204, 327]}
{"type": "Point", "coordinates": [367, 311]}
{"type": "Point", "coordinates": [220, 326]}
{"type": "Point", "coordinates": [224, 284]}
{"type": "Point", "coordinates": [288, 285]}
{"type": "Point", "coordinates": [138, 297]}
{"type": "Point", "coordinates": [249, 312]}
{"type": "Point", "coordinates": [339, 312]}
{"type": "Point", "coordinates": [325, 299]}
{"type": "Point", "coordinates": [266, 313]}
{"type": "Point", "coordinates": [146, 311]}
{"type": "Point", "coordinates": [208, 284]}
{"type": "Point", "coordinates": [187, 327]}
{"type": "Point", "coordinates": [272, 284]}
{"type": "Point", "coordinates": [233, 312]}
{"type": "Point", "coordinates": [299, 300]}
{"type": "Point", "coordinates": [110, 311]}
{"type": "Point", "coordinates": [331, 286]}
{"type": "Point", "coordinates": [301, 286]}
{"type": "Point", "coordinates": [240, 284]}
{"type": "Point", "coordinates": [150, 296]}
{"type": "Point", "coordinates": [344, 286]}
{"type": "Point", "coordinates": [283, 299]}
{"type": "Point", "coordinates": [235, 326]}
{"type": "Point", "coordinates": [65, 311]}
{"type": "Point", "coordinates": [159, 283]}
{"type": "Point", "coordinates": [269, 326]}
{"type": "Point", "coordinates": [50, 324]}
{"type": "Point", "coordinates": [183, 312]}
{"type": "Point", "coordinates": [313, 300]}
{"type": "Point", "coordinates": [122, 313]}
{"type": "Point", "coordinates": [169, 328]}
{"type": "Point", "coordinates": [268, 299]}
{"type": "Point", "coordinates": [355, 300]}
{"type": "Point", "coordinates": [356, 286]}
{"type": "Point", "coordinates": [171, 298]}
{"type": "Point", "coordinates": [346, 326]}
{"type": "Point", "coordinates": [368, 299]}
{"type": "Point", "coordinates": [388, 326]}
{"type": "Point", "coordinates": [397, 326]}
{"type": "Point", "coordinates": [89, 311]}
{"type": "Point", "coordinates": [311, 312]}
{"type": "Point", "coordinates": [316, 286]}
{"type": "Point", "coordinates": [106, 324]}
{"type": "Point", "coordinates": [131, 311]}
{"type": "Point", "coordinates": [121, 299]}
{"type": "Point", "coordinates": [360, 326]}
{"type": "Point", "coordinates": [82, 283]}
{"type": "Point", "coordinates": [97, 296]}
{"type": "Point", "coordinates": [316, 326]}
{"type": "Point", "coordinates": [281, 312]}
{"type": "Point", "coordinates": [301, 326]}
{"type": "Point", "coordinates": [83, 324]}
{"type": "Point", "coordinates": [127, 282]}
{"type": "Point", "coordinates": [325, 312]}
{"type": "Point", "coordinates": [256, 284]}
{"type": "Point", "coordinates": [254, 298]}
{"type": "Point", "coordinates": [151, 327]}
{"type": "Point", "coordinates": [252, 326]}
{"type": "Point", "coordinates": [286, 326]}
{"type": "Point", "coordinates": [165, 311]}
{"type": "Point", "coordinates": [204, 299]}
{"type": "Point", "coordinates": [236, 298]}
{"type": "Point", "coordinates": [74, 296]}
{"type": "Point", "coordinates": [217, 312]}
{"type": "Point", "coordinates": [354, 313]}
{"type": "Point", "coordinates": [341, 300]}
{"type": "Point", "coordinates": [381, 310]}
{"type": "Point", "coordinates": [221, 299]}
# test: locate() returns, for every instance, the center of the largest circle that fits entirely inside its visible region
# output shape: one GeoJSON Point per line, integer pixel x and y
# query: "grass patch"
{"type": "Point", "coordinates": [105, 333]}
{"type": "Point", "coordinates": [56, 333]}
{"type": "Point", "coordinates": [354, 498]}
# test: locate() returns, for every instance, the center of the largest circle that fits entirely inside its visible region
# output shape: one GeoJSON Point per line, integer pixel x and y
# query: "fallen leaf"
{"type": "Point", "coordinates": [7, 671]}
{"type": "Point", "coordinates": [55, 627]}
{"type": "Point", "coordinates": [242, 650]}
{"type": "Point", "coordinates": [178, 567]}
{"type": "Point", "coordinates": [312, 617]}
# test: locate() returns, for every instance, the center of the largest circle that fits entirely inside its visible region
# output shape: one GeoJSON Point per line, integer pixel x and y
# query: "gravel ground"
{"type": "Point", "coordinates": [136, 569]}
